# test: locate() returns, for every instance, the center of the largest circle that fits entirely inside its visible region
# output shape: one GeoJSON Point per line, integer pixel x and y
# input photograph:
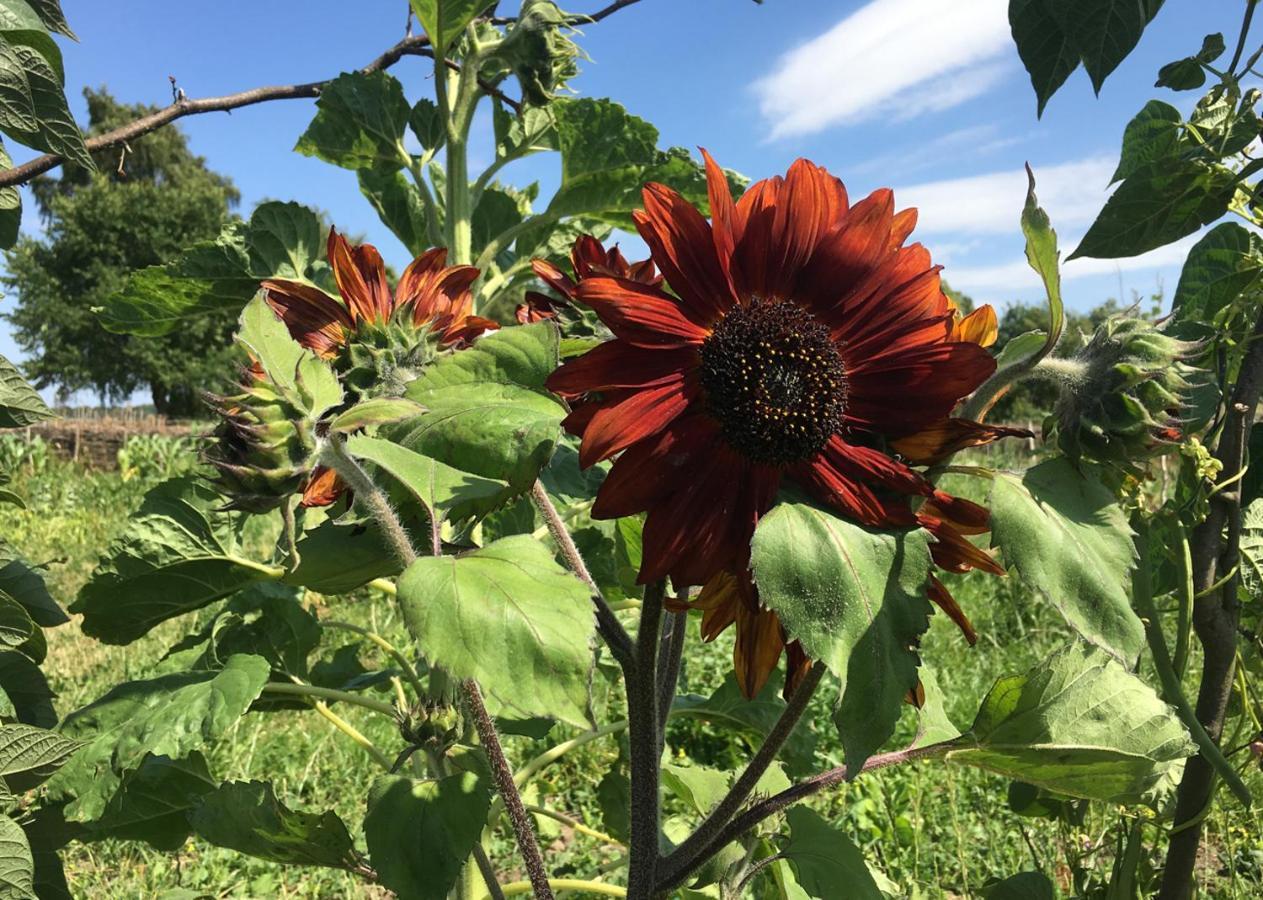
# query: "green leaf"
{"type": "Point", "coordinates": [153, 802]}
{"type": "Point", "coordinates": [360, 123]}
{"type": "Point", "coordinates": [21, 24]}
{"type": "Point", "coordinates": [1226, 262]}
{"type": "Point", "coordinates": [1105, 31]}
{"type": "Point", "coordinates": [933, 724]}
{"type": "Point", "coordinates": [171, 715]}
{"type": "Point", "coordinates": [49, 12]}
{"type": "Point", "coordinates": [1252, 548]}
{"type": "Point", "coordinates": [1022, 886]}
{"type": "Point", "coordinates": [308, 380]}
{"type": "Point", "coordinates": [1158, 204]}
{"type": "Point", "coordinates": [246, 816]}
{"type": "Point", "coordinates": [19, 404]}
{"type": "Point", "coordinates": [699, 787]}
{"type": "Point", "coordinates": [281, 240]}
{"type": "Point", "coordinates": [337, 558]}
{"type": "Point", "coordinates": [28, 756]}
{"type": "Point", "coordinates": [1043, 257]}
{"type": "Point", "coordinates": [19, 580]}
{"type": "Point", "coordinates": [10, 207]}
{"type": "Point", "coordinates": [17, 868]}
{"type": "Point", "coordinates": [420, 833]}
{"type": "Point", "coordinates": [445, 20]}
{"type": "Point", "coordinates": [1155, 133]}
{"type": "Point", "coordinates": [488, 412]}
{"type": "Point", "coordinates": [179, 553]}
{"type": "Point", "coordinates": [856, 601]}
{"type": "Point", "coordinates": [426, 122]}
{"type": "Point", "coordinates": [1189, 73]}
{"type": "Point", "coordinates": [824, 858]}
{"type": "Point", "coordinates": [1019, 349]}
{"type": "Point", "coordinates": [33, 106]}
{"type": "Point", "coordinates": [1070, 541]}
{"type": "Point", "coordinates": [509, 616]}
{"type": "Point", "coordinates": [435, 485]}
{"type": "Point", "coordinates": [373, 412]}
{"type": "Point", "coordinates": [1046, 50]}
{"type": "Point", "coordinates": [18, 631]}
{"type": "Point", "coordinates": [398, 205]}
{"type": "Point", "coordinates": [265, 619]}
{"type": "Point", "coordinates": [24, 691]}
{"type": "Point", "coordinates": [1078, 724]}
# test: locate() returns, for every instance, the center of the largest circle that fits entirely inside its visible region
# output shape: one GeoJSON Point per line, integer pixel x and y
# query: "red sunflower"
{"type": "Point", "coordinates": [799, 340]}
{"type": "Point", "coordinates": [588, 259]}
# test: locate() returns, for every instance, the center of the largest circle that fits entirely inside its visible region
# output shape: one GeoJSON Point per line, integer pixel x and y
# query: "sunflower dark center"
{"type": "Point", "coordinates": [774, 380]}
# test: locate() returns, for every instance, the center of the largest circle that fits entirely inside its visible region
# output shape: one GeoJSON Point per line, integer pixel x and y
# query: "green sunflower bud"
{"type": "Point", "coordinates": [381, 359]}
{"type": "Point", "coordinates": [264, 446]}
{"type": "Point", "coordinates": [1124, 394]}
{"type": "Point", "coordinates": [431, 724]}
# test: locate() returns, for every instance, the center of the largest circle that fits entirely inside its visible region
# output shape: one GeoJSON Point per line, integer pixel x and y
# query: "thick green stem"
{"type": "Point", "coordinates": [323, 693]}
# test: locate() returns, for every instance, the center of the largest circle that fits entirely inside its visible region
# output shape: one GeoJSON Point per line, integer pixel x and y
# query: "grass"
{"type": "Point", "coordinates": [936, 830]}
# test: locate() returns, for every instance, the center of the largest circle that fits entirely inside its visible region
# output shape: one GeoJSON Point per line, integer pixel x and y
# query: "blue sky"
{"type": "Point", "coordinates": [925, 96]}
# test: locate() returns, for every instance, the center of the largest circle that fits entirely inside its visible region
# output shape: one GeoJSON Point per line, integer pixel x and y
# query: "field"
{"type": "Point", "coordinates": [935, 830]}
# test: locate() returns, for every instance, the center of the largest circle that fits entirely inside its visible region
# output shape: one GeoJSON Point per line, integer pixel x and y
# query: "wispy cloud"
{"type": "Point", "coordinates": [889, 58]}
{"type": "Point", "coordinates": [1072, 193]}
{"type": "Point", "coordinates": [1016, 275]}
{"type": "Point", "coordinates": [973, 141]}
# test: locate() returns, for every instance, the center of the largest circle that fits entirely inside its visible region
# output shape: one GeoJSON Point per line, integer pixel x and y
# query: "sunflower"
{"type": "Point", "coordinates": [588, 259]}
{"type": "Point", "coordinates": [799, 340]}
{"type": "Point", "coordinates": [430, 294]}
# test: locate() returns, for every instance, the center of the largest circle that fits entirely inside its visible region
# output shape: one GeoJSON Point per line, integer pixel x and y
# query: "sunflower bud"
{"type": "Point", "coordinates": [432, 724]}
{"type": "Point", "coordinates": [264, 449]}
{"type": "Point", "coordinates": [1124, 394]}
{"type": "Point", "coordinates": [380, 361]}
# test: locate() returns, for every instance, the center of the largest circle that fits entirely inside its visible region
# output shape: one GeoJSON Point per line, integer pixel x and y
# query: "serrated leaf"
{"type": "Point", "coordinates": [426, 122]}
{"type": "Point", "coordinates": [280, 240]}
{"type": "Point", "coordinates": [398, 205]}
{"type": "Point", "coordinates": [1070, 541]}
{"type": "Point", "coordinates": [855, 599]}
{"type": "Point", "coordinates": [375, 411]}
{"type": "Point", "coordinates": [180, 552]}
{"type": "Point", "coordinates": [1155, 133]}
{"type": "Point", "coordinates": [1078, 724]}
{"type": "Point", "coordinates": [825, 858]}
{"type": "Point", "coordinates": [246, 816]}
{"type": "Point", "coordinates": [444, 20]}
{"type": "Point", "coordinates": [1159, 203]}
{"type": "Point", "coordinates": [153, 802]}
{"type": "Point", "coordinates": [434, 484]}
{"type": "Point", "coordinates": [1252, 548]}
{"type": "Point", "coordinates": [420, 833]}
{"type": "Point", "coordinates": [171, 715]}
{"type": "Point", "coordinates": [19, 404]}
{"type": "Point", "coordinates": [1046, 50]}
{"type": "Point", "coordinates": [28, 756]}
{"type": "Point", "coordinates": [360, 123]}
{"type": "Point", "coordinates": [308, 380]}
{"type": "Point", "coordinates": [265, 619]}
{"type": "Point", "coordinates": [1104, 32]}
{"type": "Point", "coordinates": [18, 631]}
{"type": "Point", "coordinates": [19, 580]}
{"type": "Point", "coordinates": [510, 617]}
{"type": "Point", "coordinates": [17, 868]}
{"type": "Point", "coordinates": [33, 106]}
{"type": "Point", "coordinates": [1227, 261]}
{"type": "Point", "coordinates": [51, 15]}
{"type": "Point", "coordinates": [21, 24]}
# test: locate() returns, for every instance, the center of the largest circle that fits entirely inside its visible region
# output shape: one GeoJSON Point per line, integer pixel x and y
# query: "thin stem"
{"type": "Point", "coordinates": [522, 830]}
{"type": "Point", "coordinates": [394, 652]}
{"type": "Point", "coordinates": [642, 717]}
{"type": "Point", "coordinates": [612, 630]}
{"type": "Point", "coordinates": [353, 733]}
{"type": "Point", "coordinates": [502, 240]}
{"type": "Point", "coordinates": [416, 168]}
{"type": "Point", "coordinates": [769, 807]}
{"type": "Point", "coordinates": [755, 869]}
{"type": "Point", "coordinates": [324, 693]}
{"type": "Point", "coordinates": [694, 850]}
{"type": "Point", "coordinates": [568, 884]}
{"type": "Point", "coordinates": [574, 823]}
{"type": "Point", "coordinates": [532, 768]}
{"type": "Point", "coordinates": [670, 658]}
{"type": "Point", "coordinates": [488, 872]}
{"type": "Point", "coordinates": [1245, 31]}
{"type": "Point", "coordinates": [370, 496]}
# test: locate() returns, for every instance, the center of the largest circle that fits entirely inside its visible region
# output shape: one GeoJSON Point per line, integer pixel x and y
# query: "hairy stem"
{"type": "Point", "coordinates": [522, 830]}
{"type": "Point", "coordinates": [670, 658]}
{"type": "Point", "coordinates": [370, 496]}
{"type": "Point", "coordinates": [612, 630]}
{"type": "Point", "coordinates": [699, 846]}
{"type": "Point", "coordinates": [642, 718]}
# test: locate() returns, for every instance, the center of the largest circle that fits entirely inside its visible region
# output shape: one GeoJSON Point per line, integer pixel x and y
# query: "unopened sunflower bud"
{"type": "Point", "coordinates": [432, 724]}
{"type": "Point", "coordinates": [1124, 395]}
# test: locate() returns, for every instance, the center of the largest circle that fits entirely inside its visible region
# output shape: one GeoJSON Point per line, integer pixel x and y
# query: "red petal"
{"type": "Point", "coordinates": [639, 314]}
{"type": "Point", "coordinates": [373, 271]}
{"type": "Point", "coordinates": [313, 318]}
{"type": "Point", "coordinates": [684, 249]}
{"type": "Point", "coordinates": [649, 469]}
{"type": "Point", "coordinates": [841, 490]}
{"type": "Point", "coordinates": [757, 650]}
{"type": "Point", "coordinates": [323, 488]}
{"type": "Point", "coordinates": [416, 285]}
{"type": "Point", "coordinates": [945, 437]}
{"type": "Point", "coordinates": [723, 212]}
{"type": "Point", "coordinates": [558, 280]}
{"type": "Point", "coordinates": [618, 426]}
{"type": "Point", "coordinates": [952, 552]}
{"type": "Point", "coordinates": [351, 284]}
{"type": "Point", "coordinates": [944, 600]}
{"type": "Point", "coordinates": [616, 364]}
{"type": "Point", "coordinates": [900, 395]}
{"type": "Point", "coordinates": [867, 464]}
{"type": "Point", "coordinates": [964, 515]}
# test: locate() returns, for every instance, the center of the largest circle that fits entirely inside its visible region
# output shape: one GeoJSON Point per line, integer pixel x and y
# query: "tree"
{"type": "Point", "coordinates": [139, 209]}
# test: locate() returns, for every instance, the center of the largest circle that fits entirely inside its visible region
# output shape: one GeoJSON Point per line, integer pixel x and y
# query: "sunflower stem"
{"type": "Point", "coordinates": [701, 845]}
{"type": "Point", "coordinates": [670, 657]}
{"type": "Point", "coordinates": [643, 731]}
{"type": "Point", "coordinates": [612, 630]}
{"type": "Point", "coordinates": [367, 493]}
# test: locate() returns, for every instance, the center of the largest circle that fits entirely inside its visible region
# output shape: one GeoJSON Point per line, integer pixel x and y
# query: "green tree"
{"type": "Point", "coordinates": [140, 209]}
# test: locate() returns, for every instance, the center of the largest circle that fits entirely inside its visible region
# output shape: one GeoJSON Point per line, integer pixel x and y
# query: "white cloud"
{"type": "Point", "coordinates": [889, 58]}
{"type": "Point", "coordinates": [1072, 193]}
{"type": "Point", "coordinates": [1018, 275]}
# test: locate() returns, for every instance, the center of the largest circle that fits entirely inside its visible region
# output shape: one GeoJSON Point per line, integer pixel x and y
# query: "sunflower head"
{"type": "Point", "coordinates": [264, 447]}
{"type": "Point", "coordinates": [1124, 395]}
{"type": "Point", "coordinates": [539, 51]}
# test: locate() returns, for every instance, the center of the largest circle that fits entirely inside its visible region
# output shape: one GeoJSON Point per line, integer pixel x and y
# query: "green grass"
{"type": "Point", "coordinates": [936, 830]}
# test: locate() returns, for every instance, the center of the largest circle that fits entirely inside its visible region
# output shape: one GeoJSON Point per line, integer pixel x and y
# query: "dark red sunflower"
{"type": "Point", "coordinates": [430, 294]}
{"type": "Point", "coordinates": [588, 259]}
{"type": "Point", "coordinates": [800, 338]}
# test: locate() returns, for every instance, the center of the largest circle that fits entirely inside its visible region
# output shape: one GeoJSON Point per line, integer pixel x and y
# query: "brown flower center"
{"type": "Point", "coordinates": [774, 380]}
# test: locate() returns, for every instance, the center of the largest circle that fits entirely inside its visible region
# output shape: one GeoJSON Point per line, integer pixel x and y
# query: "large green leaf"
{"type": "Point", "coordinates": [307, 380]}
{"type": "Point", "coordinates": [1224, 263]}
{"type": "Point", "coordinates": [337, 558]}
{"type": "Point", "coordinates": [153, 802]}
{"type": "Point", "coordinates": [171, 715]}
{"type": "Point", "coordinates": [398, 205]}
{"type": "Point", "coordinates": [359, 124]}
{"type": "Point", "coordinates": [19, 404]}
{"type": "Point", "coordinates": [247, 817]}
{"type": "Point", "coordinates": [21, 24]}
{"type": "Point", "coordinates": [1046, 50]}
{"type": "Point", "coordinates": [824, 858]}
{"type": "Point", "coordinates": [24, 691]}
{"type": "Point", "coordinates": [509, 616]}
{"type": "Point", "coordinates": [265, 619]}
{"type": "Point", "coordinates": [856, 601]}
{"type": "Point", "coordinates": [1155, 133]}
{"type": "Point", "coordinates": [1159, 203]}
{"type": "Point", "coordinates": [280, 240]}
{"type": "Point", "coordinates": [17, 868]}
{"type": "Point", "coordinates": [488, 411]}
{"type": "Point", "coordinates": [28, 756]}
{"type": "Point", "coordinates": [179, 553]}
{"type": "Point", "coordinates": [420, 833]}
{"type": "Point", "coordinates": [444, 20]}
{"type": "Point", "coordinates": [437, 486]}
{"type": "Point", "coordinates": [1069, 540]}
{"type": "Point", "coordinates": [33, 106]}
{"type": "Point", "coordinates": [19, 580]}
{"type": "Point", "coordinates": [1078, 724]}
{"type": "Point", "coordinates": [51, 15]}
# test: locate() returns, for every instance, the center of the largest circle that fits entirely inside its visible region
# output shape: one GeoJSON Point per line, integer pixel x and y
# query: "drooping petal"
{"type": "Point", "coordinates": [964, 515]}
{"type": "Point", "coordinates": [323, 488]}
{"type": "Point", "coordinates": [944, 600]}
{"type": "Point", "coordinates": [638, 313]}
{"type": "Point", "coordinates": [313, 318]}
{"type": "Point", "coordinates": [944, 437]}
{"type": "Point", "coordinates": [757, 649]}
{"type": "Point", "coordinates": [951, 551]}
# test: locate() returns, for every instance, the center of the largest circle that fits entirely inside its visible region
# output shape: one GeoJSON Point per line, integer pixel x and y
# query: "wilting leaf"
{"type": "Point", "coordinates": [19, 404]}
{"type": "Point", "coordinates": [1070, 541]}
{"type": "Point", "coordinates": [856, 601]}
{"type": "Point", "coordinates": [179, 553]}
{"type": "Point", "coordinates": [1078, 724]}
{"type": "Point", "coordinates": [360, 123]}
{"type": "Point", "coordinates": [509, 616]}
{"type": "Point", "coordinates": [420, 833]}
{"type": "Point", "coordinates": [171, 715]}
{"type": "Point", "coordinates": [247, 817]}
